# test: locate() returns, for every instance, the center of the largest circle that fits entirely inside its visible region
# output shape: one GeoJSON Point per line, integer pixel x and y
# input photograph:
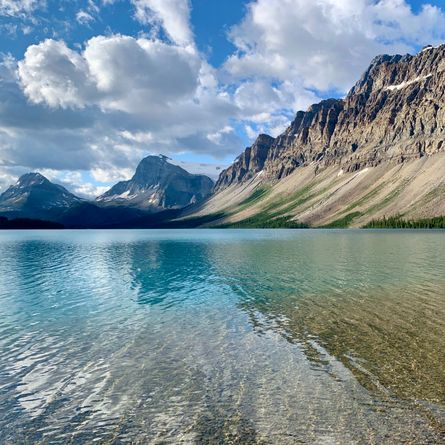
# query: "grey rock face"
{"type": "Point", "coordinates": [158, 185]}
{"type": "Point", "coordinates": [395, 112]}
{"type": "Point", "coordinates": [33, 195]}
{"type": "Point", "coordinates": [248, 163]}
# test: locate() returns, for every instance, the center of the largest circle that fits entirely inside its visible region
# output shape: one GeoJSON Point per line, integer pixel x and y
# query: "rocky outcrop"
{"type": "Point", "coordinates": [312, 130]}
{"type": "Point", "coordinates": [394, 113]}
{"type": "Point", "coordinates": [248, 164]}
{"type": "Point", "coordinates": [158, 185]}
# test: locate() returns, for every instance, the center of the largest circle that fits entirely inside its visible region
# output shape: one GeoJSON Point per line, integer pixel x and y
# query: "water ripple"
{"type": "Point", "coordinates": [249, 337]}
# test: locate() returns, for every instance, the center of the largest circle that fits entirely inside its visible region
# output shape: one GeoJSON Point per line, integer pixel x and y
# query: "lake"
{"type": "Point", "coordinates": [222, 337]}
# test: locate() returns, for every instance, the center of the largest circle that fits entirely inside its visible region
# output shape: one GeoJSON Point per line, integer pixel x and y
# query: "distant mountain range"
{"type": "Point", "coordinates": [378, 154]}
{"type": "Point", "coordinates": [158, 191]}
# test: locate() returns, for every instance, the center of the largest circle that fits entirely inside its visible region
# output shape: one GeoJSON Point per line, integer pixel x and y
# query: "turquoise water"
{"type": "Point", "coordinates": [222, 337]}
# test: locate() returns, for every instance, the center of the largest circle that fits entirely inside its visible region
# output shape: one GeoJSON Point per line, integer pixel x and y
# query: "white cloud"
{"type": "Point", "coordinates": [259, 98]}
{"type": "Point", "coordinates": [132, 74]}
{"type": "Point", "coordinates": [52, 73]}
{"type": "Point", "coordinates": [105, 107]}
{"type": "Point", "coordinates": [101, 107]}
{"type": "Point", "coordinates": [20, 7]}
{"type": "Point", "coordinates": [172, 15]}
{"type": "Point", "coordinates": [88, 190]}
{"type": "Point", "coordinates": [84, 18]}
{"type": "Point", "coordinates": [89, 14]}
{"type": "Point", "coordinates": [92, 7]}
{"type": "Point", "coordinates": [218, 136]}
{"type": "Point", "coordinates": [116, 73]}
{"type": "Point", "coordinates": [26, 29]}
{"type": "Point", "coordinates": [160, 89]}
{"type": "Point", "coordinates": [75, 183]}
{"type": "Point", "coordinates": [326, 44]}
{"type": "Point", "coordinates": [140, 137]}
{"type": "Point", "coordinates": [113, 174]}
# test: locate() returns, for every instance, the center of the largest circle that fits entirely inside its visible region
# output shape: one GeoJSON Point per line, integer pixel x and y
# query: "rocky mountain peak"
{"type": "Point", "coordinates": [248, 164]}
{"type": "Point", "coordinates": [150, 170]}
{"type": "Point", "coordinates": [264, 139]}
{"type": "Point", "coordinates": [31, 179]}
{"type": "Point", "coordinates": [366, 82]}
{"type": "Point", "coordinates": [395, 112]}
{"type": "Point", "coordinates": [156, 185]}
{"type": "Point", "coordinates": [33, 194]}
{"type": "Point", "coordinates": [388, 71]}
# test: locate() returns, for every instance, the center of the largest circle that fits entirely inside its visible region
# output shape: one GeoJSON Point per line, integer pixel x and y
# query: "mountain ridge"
{"type": "Point", "coordinates": [368, 126]}
{"type": "Point", "coordinates": [167, 187]}
{"type": "Point", "coordinates": [377, 152]}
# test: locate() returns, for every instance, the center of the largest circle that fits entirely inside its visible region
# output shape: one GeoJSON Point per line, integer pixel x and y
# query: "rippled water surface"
{"type": "Point", "coordinates": [222, 337]}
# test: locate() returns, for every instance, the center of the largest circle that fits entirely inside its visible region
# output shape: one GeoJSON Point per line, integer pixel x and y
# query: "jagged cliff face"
{"type": "Point", "coordinates": [395, 112]}
{"type": "Point", "coordinates": [248, 164]}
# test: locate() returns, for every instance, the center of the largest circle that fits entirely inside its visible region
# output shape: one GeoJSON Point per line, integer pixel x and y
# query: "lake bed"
{"type": "Point", "coordinates": [222, 336]}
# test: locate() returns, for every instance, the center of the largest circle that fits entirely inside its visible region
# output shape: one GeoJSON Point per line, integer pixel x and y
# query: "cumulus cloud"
{"type": "Point", "coordinates": [76, 183]}
{"type": "Point", "coordinates": [54, 74]}
{"type": "Point", "coordinates": [102, 106]}
{"type": "Point", "coordinates": [259, 99]}
{"type": "Point", "coordinates": [326, 44]}
{"type": "Point", "coordinates": [116, 72]}
{"type": "Point", "coordinates": [172, 15]}
{"type": "Point", "coordinates": [135, 73]}
{"type": "Point", "coordinates": [140, 84]}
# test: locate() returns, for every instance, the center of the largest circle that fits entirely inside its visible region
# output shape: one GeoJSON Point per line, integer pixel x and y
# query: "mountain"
{"type": "Point", "coordinates": [248, 164]}
{"type": "Point", "coordinates": [158, 185]}
{"type": "Point", "coordinates": [34, 196]}
{"type": "Point", "coordinates": [378, 152]}
{"type": "Point", "coordinates": [157, 192]}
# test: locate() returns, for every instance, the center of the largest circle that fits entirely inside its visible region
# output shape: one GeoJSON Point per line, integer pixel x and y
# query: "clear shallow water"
{"type": "Point", "coordinates": [222, 337]}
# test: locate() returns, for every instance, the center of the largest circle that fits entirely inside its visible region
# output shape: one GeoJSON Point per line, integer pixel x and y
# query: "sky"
{"type": "Point", "coordinates": [90, 87]}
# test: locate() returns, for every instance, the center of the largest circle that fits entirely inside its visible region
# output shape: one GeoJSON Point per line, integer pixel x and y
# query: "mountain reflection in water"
{"type": "Point", "coordinates": [210, 336]}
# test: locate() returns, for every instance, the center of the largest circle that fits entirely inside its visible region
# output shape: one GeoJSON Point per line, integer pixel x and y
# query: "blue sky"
{"type": "Point", "coordinates": [89, 87]}
{"type": "Point", "coordinates": [210, 19]}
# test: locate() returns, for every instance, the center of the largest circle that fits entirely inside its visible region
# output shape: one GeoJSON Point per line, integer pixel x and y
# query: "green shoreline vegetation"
{"type": "Point", "coordinates": [397, 222]}
{"type": "Point", "coordinates": [265, 221]}
{"type": "Point", "coordinates": [275, 214]}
